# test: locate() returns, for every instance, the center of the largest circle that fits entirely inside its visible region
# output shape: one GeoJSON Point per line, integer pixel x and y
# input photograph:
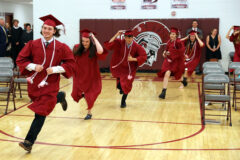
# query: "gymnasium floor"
{"type": "Point", "coordinates": [148, 129]}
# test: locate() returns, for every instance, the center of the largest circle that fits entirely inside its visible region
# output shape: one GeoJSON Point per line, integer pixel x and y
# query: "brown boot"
{"type": "Point", "coordinates": [26, 145]}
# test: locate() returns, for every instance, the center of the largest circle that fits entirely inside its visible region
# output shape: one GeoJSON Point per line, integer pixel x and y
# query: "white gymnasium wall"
{"type": "Point", "coordinates": [22, 12]}
{"type": "Point", "coordinates": [71, 11]}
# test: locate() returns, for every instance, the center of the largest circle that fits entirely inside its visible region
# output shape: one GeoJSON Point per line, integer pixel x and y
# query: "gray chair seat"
{"type": "Point", "coordinates": [238, 87]}
{"type": "Point", "coordinates": [236, 79]}
{"type": "Point", "coordinates": [20, 80]}
{"type": "Point", "coordinates": [209, 97]}
{"type": "Point", "coordinates": [4, 89]}
{"type": "Point", "coordinates": [16, 73]}
{"type": "Point", "coordinates": [214, 86]}
{"type": "Point", "coordinates": [5, 79]}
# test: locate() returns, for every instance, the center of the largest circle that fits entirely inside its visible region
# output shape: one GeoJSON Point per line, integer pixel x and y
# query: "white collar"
{"type": "Point", "coordinates": [44, 40]}
{"type": "Point", "coordinates": [15, 27]}
{"type": "Point", "coordinates": [194, 29]}
{"type": "Point", "coordinates": [129, 45]}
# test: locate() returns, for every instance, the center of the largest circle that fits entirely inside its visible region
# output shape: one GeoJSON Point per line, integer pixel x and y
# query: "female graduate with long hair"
{"type": "Point", "coordinates": [192, 54]}
{"type": "Point", "coordinates": [87, 81]}
{"type": "Point", "coordinates": [174, 60]}
{"type": "Point", "coordinates": [235, 38]}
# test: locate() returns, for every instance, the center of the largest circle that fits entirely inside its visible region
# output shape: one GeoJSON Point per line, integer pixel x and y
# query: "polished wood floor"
{"type": "Point", "coordinates": [148, 129]}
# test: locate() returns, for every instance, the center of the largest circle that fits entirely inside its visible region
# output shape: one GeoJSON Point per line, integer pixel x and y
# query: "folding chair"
{"type": "Point", "coordinates": [211, 65]}
{"type": "Point", "coordinates": [217, 79]}
{"type": "Point", "coordinates": [5, 59]}
{"type": "Point", "coordinates": [19, 81]}
{"type": "Point", "coordinates": [6, 76]}
{"type": "Point", "coordinates": [236, 87]}
{"type": "Point", "coordinates": [231, 68]}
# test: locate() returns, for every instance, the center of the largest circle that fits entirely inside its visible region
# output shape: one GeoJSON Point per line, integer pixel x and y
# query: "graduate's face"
{"type": "Point", "coordinates": [85, 42]}
{"type": "Point", "coordinates": [128, 39]}
{"type": "Point", "coordinates": [192, 38]}
{"type": "Point", "coordinates": [173, 36]}
{"type": "Point", "coordinates": [48, 31]}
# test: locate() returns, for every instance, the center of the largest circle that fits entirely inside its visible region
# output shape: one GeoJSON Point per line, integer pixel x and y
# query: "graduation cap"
{"type": "Point", "coordinates": [52, 21]}
{"type": "Point", "coordinates": [192, 32]}
{"type": "Point", "coordinates": [174, 30]}
{"type": "Point", "coordinates": [86, 33]}
{"type": "Point", "coordinates": [128, 33]}
{"type": "Point", "coordinates": [236, 28]}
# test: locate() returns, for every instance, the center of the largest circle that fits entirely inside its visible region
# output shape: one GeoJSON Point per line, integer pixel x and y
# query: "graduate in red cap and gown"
{"type": "Point", "coordinates": [43, 60]}
{"type": "Point", "coordinates": [235, 38]}
{"type": "Point", "coordinates": [127, 56]}
{"type": "Point", "coordinates": [87, 81]}
{"type": "Point", "coordinates": [193, 45]}
{"type": "Point", "coordinates": [174, 60]}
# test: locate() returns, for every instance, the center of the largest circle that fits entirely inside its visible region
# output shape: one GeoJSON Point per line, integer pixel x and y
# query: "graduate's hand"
{"type": "Point", "coordinates": [131, 59]}
{"type": "Point", "coordinates": [91, 35]}
{"type": "Point", "coordinates": [120, 32]}
{"type": "Point", "coordinates": [49, 71]}
{"type": "Point", "coordinates": [38, 68]}
{"type": "Point", "coordinates": [236, 32]}
{"type": "Point", "coordinates": [164, 54]}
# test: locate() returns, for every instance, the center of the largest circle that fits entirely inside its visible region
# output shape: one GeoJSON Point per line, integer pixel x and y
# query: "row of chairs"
{"type": "Point", "coordinates": [10, 79]}
{"type": "Point", "coordinates": [216, 86]}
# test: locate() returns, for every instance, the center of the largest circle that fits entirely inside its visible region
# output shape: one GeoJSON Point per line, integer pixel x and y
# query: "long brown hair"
{"type": "Point", "coordinates": [80, 49]}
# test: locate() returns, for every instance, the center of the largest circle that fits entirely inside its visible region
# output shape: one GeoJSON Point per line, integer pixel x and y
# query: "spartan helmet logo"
{"type": "Point", "coordinates": [151, 42]}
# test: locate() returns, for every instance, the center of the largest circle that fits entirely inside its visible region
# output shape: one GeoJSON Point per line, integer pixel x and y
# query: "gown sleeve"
{"type": "Point", "coordinates": [233, 37]}
{"type": "Point", "coordinates": [24, 58]}
{"type": "Point", "coordinates": [112, 45]}
{"type": "Point", "coordinates": [142, 56]}
{"type": "Point", "coordinates": [103, 55]}
{"type": "Point", "coordinates": [68, 62]}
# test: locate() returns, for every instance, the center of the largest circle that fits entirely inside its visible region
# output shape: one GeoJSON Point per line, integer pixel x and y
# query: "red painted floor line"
{"type": "Point", "coordinates": [29, 103]}
{"type": "Point", "coordinates": [124, 147]}
{"type": "Point", "coordinates": [105, 119]}
{"type": "Point", "coordinates": [153, 80]}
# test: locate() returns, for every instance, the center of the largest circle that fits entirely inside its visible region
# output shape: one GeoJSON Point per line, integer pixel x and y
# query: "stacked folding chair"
{"type": "Point", "coordinates": [236, 87]}
{"type": "Point", "coordinates": [231, 68]}
{"type": "Point", "coordinates": [20, 81]}
{"type": "Point", "coordinates": [7, 82]}
{"type": "Point", "coordinates": [215, 89]}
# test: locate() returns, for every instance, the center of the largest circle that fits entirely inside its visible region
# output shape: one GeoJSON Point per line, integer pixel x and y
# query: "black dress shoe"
{"type": "Point", "coordinates": [63, 101]}
{"type": "Point", "coordinates": [162, 95]}
{"type": "Point", "coordinates": [123, 105]}
{"type": "Point", "coordinates": [26, 145]}
{"type": "Point", "coordinates": [89, 116]}
{"type": "Point", "coordinates": [185, 83]}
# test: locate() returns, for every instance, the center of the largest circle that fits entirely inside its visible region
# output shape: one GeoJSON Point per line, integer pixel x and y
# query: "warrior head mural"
{"type": "Point", "coordinates": [151, 35]}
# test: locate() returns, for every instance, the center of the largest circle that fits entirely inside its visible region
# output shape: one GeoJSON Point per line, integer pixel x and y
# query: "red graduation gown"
{"type": "Point", "coordinates": [236, 41]}
{"type": "Point", "coordinates": [194, 56]}
{"type": "Point", "coordinates": [45, 98]}
{"type": "Point", "coordinates": [121, 70]}
{"type": "Point", "coordinates": [176, 66]}
{"type": "Point", "coordinates": [87, 78]}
